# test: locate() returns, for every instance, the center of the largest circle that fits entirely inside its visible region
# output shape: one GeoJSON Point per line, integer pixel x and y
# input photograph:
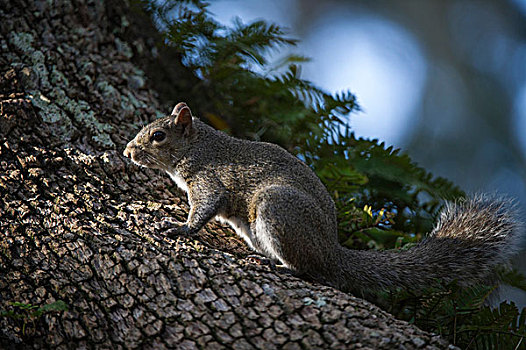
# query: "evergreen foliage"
{"type": "Point", "coordinates": [384, 200]}
{"type": "Point", "coordinates": [464, 316]}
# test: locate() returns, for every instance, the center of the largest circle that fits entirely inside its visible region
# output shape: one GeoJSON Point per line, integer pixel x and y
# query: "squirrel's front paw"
{"type": "Point", "coordinates": [166, 223]}
{"type": "Point", "coordinates": [171, 228]}
{"type": "Point", "coordinates": [181, 230]}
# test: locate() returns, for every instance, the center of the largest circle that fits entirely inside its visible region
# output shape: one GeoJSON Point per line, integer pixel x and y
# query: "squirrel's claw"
{"type": "Point", "coordinates": [171, 228]}
{"type": "Point", "coordinates": [261, 260]}
{"type": "Point", "coordinates": [166, 223]}
{"type": "Point", "coordinates": [181, 230]}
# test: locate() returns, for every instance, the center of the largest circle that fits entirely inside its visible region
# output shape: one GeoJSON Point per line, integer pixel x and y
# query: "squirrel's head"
{"type": "Point", "coordinates": [162, 143]}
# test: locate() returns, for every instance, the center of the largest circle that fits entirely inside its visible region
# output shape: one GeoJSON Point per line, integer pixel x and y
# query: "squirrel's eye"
{"type": "Point", "coordinates": [158, 136]}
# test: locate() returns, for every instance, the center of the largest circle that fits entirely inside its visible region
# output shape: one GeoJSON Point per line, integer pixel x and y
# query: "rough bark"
{"type": "Point", "coordinates": [77, 223]}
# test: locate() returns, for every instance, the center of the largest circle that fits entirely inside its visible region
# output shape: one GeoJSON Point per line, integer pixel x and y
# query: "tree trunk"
{"type": "Point", "coordinates": [77, 223]}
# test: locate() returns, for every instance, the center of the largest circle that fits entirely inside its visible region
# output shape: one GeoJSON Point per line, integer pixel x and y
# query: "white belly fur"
{"type": "Point", "coordinates": [179, 181]}
{"type": "Point", "coordinates": [241, 227]}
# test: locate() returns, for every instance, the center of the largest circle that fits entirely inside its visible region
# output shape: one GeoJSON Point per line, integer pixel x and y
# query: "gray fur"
{"type": "Point", "coordinates": [281, 208]}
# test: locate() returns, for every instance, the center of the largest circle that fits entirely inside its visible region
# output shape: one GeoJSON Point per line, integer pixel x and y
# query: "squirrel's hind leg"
{"type": "Point", "coordinates": [290, 227]}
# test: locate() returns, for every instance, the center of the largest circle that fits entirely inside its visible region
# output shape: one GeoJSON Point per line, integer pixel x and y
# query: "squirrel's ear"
{"type": "Point", "coordinates": [183, 119]}
{"type": "Point", "coordinates": [178, 108]}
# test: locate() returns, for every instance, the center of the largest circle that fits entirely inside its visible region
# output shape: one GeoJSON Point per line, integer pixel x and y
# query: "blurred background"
{"type": "Point", "coordinates": [445, 80]}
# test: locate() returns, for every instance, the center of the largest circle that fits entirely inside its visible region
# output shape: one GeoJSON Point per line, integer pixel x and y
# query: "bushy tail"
{"type": "Point", "coordinates": [470, 239]}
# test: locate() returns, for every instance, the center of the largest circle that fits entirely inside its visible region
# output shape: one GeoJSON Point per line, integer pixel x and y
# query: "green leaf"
{"type": "Point", "coordinates": [512, 277]}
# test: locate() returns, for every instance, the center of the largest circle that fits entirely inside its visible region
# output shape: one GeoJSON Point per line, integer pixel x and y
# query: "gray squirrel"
{"type": "Point", "coordinates": [282, 210]}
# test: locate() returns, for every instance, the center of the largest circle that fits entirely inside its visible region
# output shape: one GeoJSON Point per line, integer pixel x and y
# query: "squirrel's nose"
{"type": "Point", "coordinates": [127, 150]}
